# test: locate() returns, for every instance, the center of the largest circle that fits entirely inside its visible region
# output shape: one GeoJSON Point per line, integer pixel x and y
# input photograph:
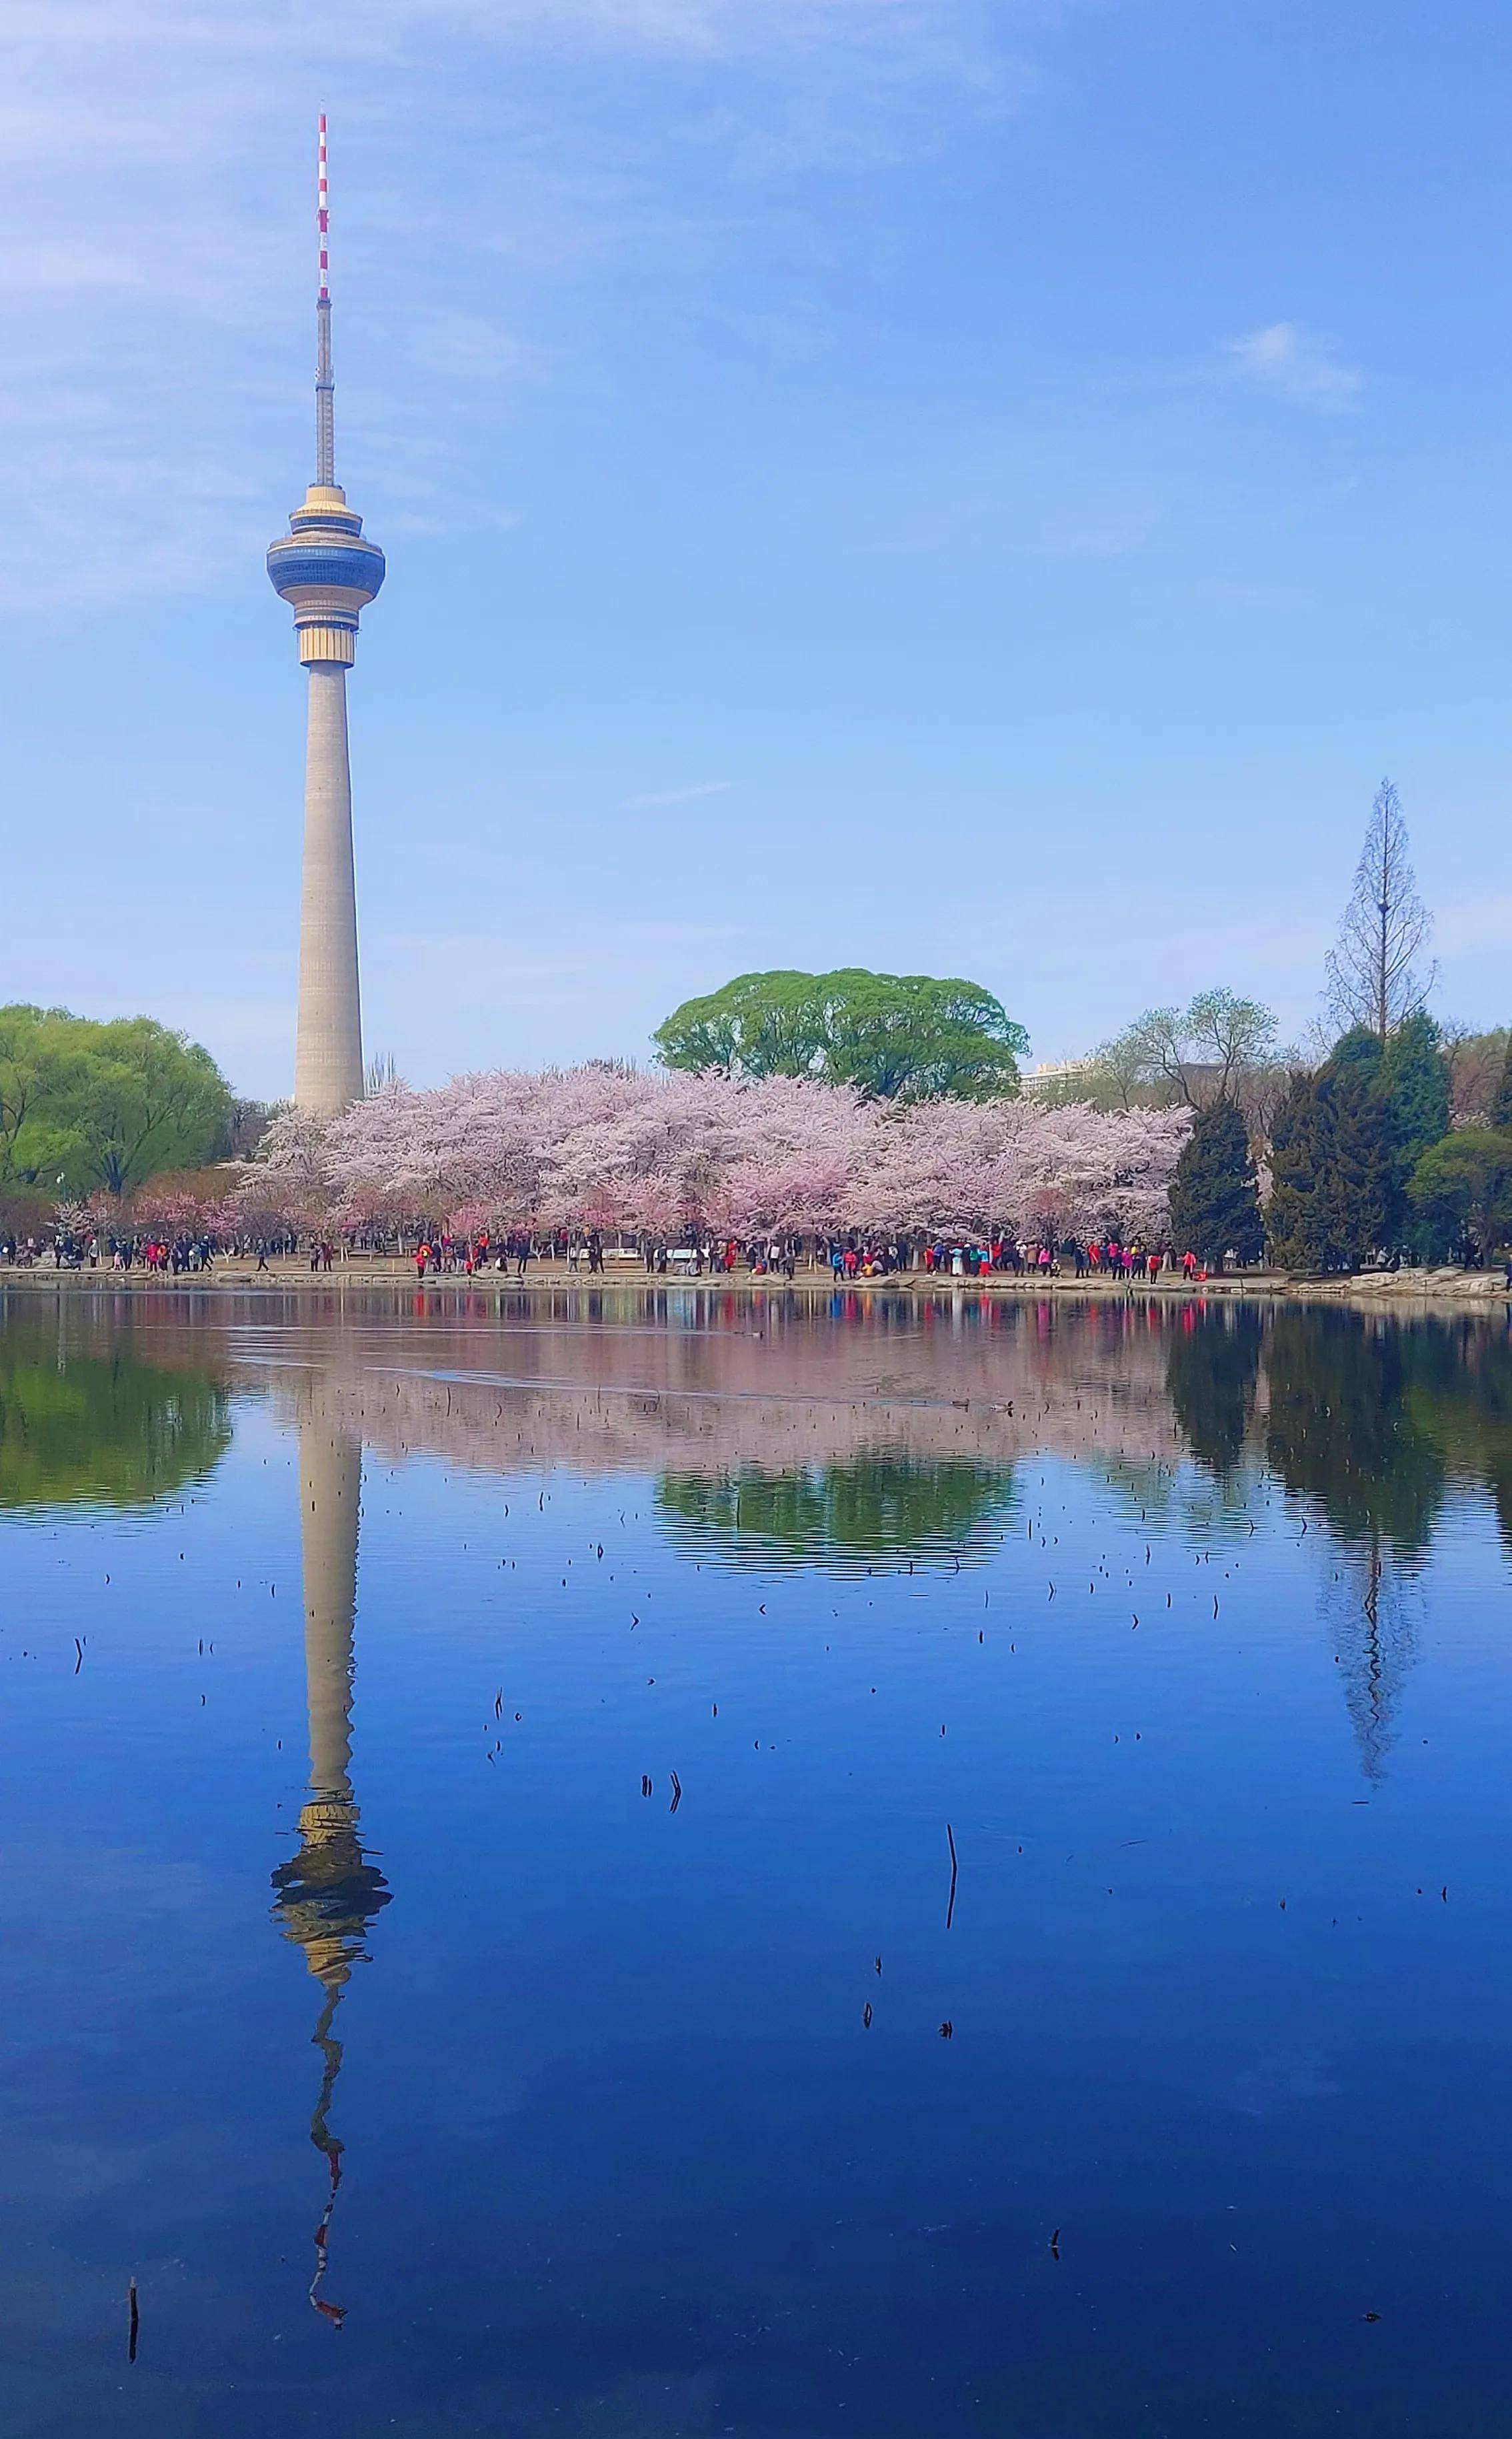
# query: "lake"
{"type": "Point", "coordinates": [650, 1862]}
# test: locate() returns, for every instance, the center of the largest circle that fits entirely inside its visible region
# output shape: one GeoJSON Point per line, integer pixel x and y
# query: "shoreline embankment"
{"type": "Point", "coordinates": [358, 1275]}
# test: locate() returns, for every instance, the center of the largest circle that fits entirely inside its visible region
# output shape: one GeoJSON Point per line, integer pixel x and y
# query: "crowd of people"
{"type": "Point", "coordinates": [1082, 1258]}
{"type": "Point", "coordinates": [447, 1252]}
{"type": "Point", "coordinates": [441, 1252]}
{"type": "Point", "coordinates": [75, 1250]}
{"type": "Point", "coordinates": [172, 1256]}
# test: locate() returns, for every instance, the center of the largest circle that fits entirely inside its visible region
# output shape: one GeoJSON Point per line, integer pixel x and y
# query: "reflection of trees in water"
{"type": "Point", "coordinates": [1180, 1498]}
{"type": "Point", "coordinates": [1211, 1371]}
{"type": "Point", "coordinates": [1210, 1366]}
{"type": "Point", "coordinates": [1343, 1431]}
{"type": "Point", "coordinates": [1340, 1428]}
{"type": "Point", "coordinates": [1460, 1395]}
{"type": "Point", "coordinates": [106, 1427]}
{"type": "Point", "coordinates": [1372, 1602]}
{"type": "Point", "coordinates": [883, 1508]}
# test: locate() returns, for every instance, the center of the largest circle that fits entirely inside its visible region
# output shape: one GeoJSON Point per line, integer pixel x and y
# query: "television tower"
{"type": "Point", "coordinates": [328, 573]}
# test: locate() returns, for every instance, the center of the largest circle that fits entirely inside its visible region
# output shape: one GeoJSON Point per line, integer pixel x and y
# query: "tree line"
{"type": "Point", "coordinates": [1392, 1137]}
{"type": "Point", "coordinates": [1361, 1149]}
{"type": "Point", "coordinates": [1361, 1161]}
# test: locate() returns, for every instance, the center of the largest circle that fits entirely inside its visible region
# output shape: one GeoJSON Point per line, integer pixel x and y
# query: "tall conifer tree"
{"type": "Point", "coordinates": [1300, 1152]}
{"type": "Point", "coordinates": [1330, 1203]}
{"type": "Point", "coordinates": [1414, 1085]}
{"type": "Point", "coordinates": [1214, 1199]}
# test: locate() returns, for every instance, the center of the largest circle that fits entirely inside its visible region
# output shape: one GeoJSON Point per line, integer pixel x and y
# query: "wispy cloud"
{"type": "Point", "coordinates": [1285, 359]}
{"type": "Point", "coordinates": [154, 200]}
{"type": "Point", "coordinates": [679, 796]}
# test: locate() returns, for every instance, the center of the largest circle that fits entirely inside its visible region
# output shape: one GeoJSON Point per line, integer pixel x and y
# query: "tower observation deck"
{"type": "Point", "coordinates": [328, 572]}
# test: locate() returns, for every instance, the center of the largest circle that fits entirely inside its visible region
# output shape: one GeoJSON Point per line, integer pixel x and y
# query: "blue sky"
{"type": "Point", "coordinates": [962, 487]}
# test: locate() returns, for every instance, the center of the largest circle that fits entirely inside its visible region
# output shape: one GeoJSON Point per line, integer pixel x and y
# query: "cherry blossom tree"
{"type": "Point", "coordinates": [605, 1147]}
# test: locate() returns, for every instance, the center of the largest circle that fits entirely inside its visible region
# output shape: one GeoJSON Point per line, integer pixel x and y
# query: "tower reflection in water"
{"type": "Point", "coordinates": [329, 1893]}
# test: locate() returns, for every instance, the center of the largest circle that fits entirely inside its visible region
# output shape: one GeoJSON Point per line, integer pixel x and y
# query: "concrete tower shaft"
{"type": "Point", "coordinates": [328, 1039]}
{"type": "Point", "coordinates": [328, 572]}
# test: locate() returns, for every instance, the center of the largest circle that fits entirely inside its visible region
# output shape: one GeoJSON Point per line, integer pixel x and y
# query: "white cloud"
{"type": "Point", "coordinates": [680, 796]}
{"type": "Point", "coordinates": [1283, 358]}
{"type": "Point", "coordinates": [155, 194]}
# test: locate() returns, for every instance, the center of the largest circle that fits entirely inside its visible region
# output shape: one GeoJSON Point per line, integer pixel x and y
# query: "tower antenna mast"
{"type": "Point", "coordinates": [325, 384]}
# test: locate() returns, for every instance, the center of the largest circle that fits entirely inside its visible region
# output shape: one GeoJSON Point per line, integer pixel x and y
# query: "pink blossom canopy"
{"type": "Point", "coordinates": [608, 1148]}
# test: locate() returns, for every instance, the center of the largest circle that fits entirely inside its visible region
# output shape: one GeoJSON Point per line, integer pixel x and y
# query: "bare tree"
{"type": "Point", "coordinates": [1225, 1036]}
{"type": "Point", "coordinates": [1374, 977]}
{"type": "Point", "coordinates": [1197, 1053]}
{"type": "Point", "coordinates": [1476, 1061]}
{"type": "Point", "coordinates": [1117, 1076]}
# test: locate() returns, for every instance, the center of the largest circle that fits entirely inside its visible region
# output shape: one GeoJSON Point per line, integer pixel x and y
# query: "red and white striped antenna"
{"type": "Point", "coordinates": [325, 383]}
{"type": "Point", "coordinates": [323, 215]}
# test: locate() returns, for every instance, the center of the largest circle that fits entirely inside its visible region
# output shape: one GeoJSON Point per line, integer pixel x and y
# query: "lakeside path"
{"type": "Point", "coordinates": [1448, 1285]}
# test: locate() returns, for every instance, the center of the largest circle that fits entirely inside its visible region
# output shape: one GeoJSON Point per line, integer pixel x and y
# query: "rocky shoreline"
{"type": "Point", "coordinates": [1443, 1284]}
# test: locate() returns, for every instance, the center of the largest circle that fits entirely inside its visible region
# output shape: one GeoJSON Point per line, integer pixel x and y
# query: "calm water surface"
{"type": "Point", "coordinates": [478, 1938]}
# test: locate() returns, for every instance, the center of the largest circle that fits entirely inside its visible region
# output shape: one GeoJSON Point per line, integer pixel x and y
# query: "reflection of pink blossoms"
{"type": "Point", "coordinates": [602, 1147]}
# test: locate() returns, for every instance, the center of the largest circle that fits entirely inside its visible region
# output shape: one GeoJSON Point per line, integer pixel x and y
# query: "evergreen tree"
{"type": "Point", "coordinates": [1500, 1111]}
{"type": "Point", "coordinates": [1214, 1201]}
{"type": "Point", "coordinates": [1356, 1054]}
{"type": "Point", "coordinates": [1301, 1149]}
{"type": "Point", "coordinates": [1329, 1163]}
{"type": "Point", "coordinates": [1415, 1084]}
{"type": "Point", "coordinates": [1357, 1184]}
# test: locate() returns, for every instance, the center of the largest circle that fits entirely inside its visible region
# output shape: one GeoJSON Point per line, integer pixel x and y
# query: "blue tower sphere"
{"type": "Point", "coordinates": [326, 571]}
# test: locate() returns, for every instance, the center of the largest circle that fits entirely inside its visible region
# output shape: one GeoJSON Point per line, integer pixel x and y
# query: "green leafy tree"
{"type": "Point", "coordinates": [896, 1036]}
{"type": "Point", "coordinates": [30, 1063]}
{"type": "Point", "coordinates": [1462, 1189]}
{"type": "Point", "coordinates": [1500, 1115]}
{"type": "Point", "coordinates": [89, 1105]}
{"type": "Point", "coordinates": [1214, 1199]}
